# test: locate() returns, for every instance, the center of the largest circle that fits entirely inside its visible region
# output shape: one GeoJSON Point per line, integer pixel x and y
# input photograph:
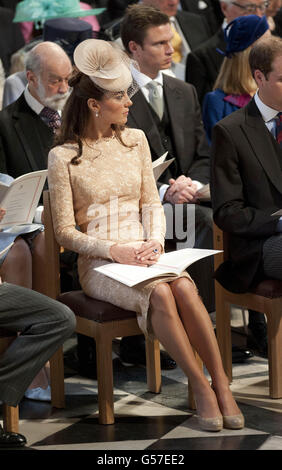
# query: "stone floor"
{"type": "Point", "coordinates": [147, 422]}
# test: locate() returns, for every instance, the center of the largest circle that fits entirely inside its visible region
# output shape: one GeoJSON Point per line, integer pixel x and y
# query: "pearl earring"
{"type": "Point", "coordinates": [96, 114]}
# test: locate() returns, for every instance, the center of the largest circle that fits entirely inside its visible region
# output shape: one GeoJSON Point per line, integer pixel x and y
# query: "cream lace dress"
{"type": "Point", "coordinates": [110, 197]}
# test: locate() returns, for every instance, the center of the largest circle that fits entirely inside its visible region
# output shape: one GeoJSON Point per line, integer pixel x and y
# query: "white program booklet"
{"type": "Point", "coordinates": [160, 165]}
{"type": "Point", "coordinates": [168, 264]}
{"type": "Point", "coordinates": [20, 198]}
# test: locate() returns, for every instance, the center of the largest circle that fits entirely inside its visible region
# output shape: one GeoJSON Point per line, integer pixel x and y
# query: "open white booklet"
{"type": "Point", "coordinates": [279, 212]}
{"type": "Point", "coordinates": [169, 264]}
{"type": "Point", "coordinates": [160, 165]}
{"type": "Point", "coordinates": [20, 198]}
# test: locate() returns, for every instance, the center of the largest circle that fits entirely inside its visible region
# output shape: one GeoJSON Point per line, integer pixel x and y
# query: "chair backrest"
{"type": "Point", "coordinates": [220, 242]}
{"type": "Point", "coordinates": [52, 251]}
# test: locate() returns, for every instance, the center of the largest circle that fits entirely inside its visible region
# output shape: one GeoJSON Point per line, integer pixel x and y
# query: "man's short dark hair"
{"type": "Point", "coordinates": [263, 54]}
{"type": "Point", "coordinates": [137, 20]}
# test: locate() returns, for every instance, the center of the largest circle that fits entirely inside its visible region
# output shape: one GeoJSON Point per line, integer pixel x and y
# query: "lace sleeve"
{"type": "Point", "coordinates": [153, 218]}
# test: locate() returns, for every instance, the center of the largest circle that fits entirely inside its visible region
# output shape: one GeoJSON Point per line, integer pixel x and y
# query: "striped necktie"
{"type": "Point", "coordinates": [278, 121]}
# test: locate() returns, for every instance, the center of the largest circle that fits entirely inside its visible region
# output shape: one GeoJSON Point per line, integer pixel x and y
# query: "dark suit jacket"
{"type": "Point", "coordinates": [25, 140]}
{"type": "Point", "coordinates": [194, 27]}
{"type": "Point", "coordinates": [192, 151]}
{"type": "Point", "coordinates": [11, 38]}
{"type": "Point", "coordinates": [246, 187]}
{"type": "Point", "coordinates": [203, 64]}
{"type": "Point", "coordinates": [212, 13]}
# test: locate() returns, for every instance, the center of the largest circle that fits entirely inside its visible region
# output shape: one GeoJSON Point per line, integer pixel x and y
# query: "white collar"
{"type": "Point", "coordinates": [32, 102]}
{"type": "Point", "coordinates": [267, 113]}
{"type": "Point", "coordinates": [143, 80]}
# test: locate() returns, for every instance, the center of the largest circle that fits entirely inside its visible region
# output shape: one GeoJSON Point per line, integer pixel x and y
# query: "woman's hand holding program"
{"type": "Point", "coordinates": [149, 252]}
{"type": "Point", "coordinates": [144, 255]}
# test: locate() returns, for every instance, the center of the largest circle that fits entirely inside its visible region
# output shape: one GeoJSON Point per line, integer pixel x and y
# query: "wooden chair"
{"type": "Point", "coordinates": [266, 298]}
{"type": "Point", "coordinates": [103, 322]}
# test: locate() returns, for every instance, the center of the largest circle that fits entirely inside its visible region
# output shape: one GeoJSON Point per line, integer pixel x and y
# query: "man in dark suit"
{"type": "Point", "coordinates": [246, 176]}
{"type": "Point", "coordinates": [44, 325]}
{"type": "Point", "coordinates": [203, 64]}
{"type": "Point", "coordinates": [146, 35]}
{"type": "Point", "coordinates": [11, 38]}
{"type": "Point", "coordinates": [210, 9]}
{"type": "Point", "coordinates": [26, 131]}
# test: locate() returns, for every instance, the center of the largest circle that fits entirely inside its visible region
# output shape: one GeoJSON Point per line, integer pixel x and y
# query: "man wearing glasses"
{"type": "Point", "coordinates": [203, 64]}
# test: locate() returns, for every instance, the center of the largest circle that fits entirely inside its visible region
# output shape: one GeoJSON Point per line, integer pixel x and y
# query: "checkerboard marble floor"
{"type": "Point", "coordinates": [145, 421]}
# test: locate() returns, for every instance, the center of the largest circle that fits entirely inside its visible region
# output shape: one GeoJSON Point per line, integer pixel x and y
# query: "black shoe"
{"type": "Point", "coordinates": [240, 355]}
{"type": "Point", "coordinates": [257, 339]}
{"type": "Point", "coordinates": [11, 439]}
{"type": "Point", "coordinates": [138, 357]}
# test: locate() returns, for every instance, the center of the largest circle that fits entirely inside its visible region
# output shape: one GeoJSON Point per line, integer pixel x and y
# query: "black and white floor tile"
{"type": "Point", "coordinates": [145, 421]}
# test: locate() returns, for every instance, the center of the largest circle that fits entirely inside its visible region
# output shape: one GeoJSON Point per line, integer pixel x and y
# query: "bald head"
{"type": "Point", "coordinates": [48, 69]}
{"type": "Point", "coordinates": [169, 7]}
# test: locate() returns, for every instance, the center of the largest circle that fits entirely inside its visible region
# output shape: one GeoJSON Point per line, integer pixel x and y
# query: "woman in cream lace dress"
{"type": "Point", "coordinates": [106, 207]}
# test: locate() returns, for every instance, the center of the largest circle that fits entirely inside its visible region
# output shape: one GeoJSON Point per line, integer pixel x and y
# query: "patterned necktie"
{"type": "Point", "coordinates": [278, 121]}
{"type": "Point", "coordinates": [51, 118]}
{"type": "Point", "coordinates": [155, 98]}
{"type": "Point", "coordinates": [177, 46]}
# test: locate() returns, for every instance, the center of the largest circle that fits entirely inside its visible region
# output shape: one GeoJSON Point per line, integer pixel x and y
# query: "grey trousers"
{"type": "Point", "coordinates": [272, 257]}
{"type": "Point", "coordinates": [43, 323]}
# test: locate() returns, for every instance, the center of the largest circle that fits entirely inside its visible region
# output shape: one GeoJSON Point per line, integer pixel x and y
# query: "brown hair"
{"type": "Point", "coordinates": [235, 75]}
{"type": "Point", "coordinates": [263, 54]}
{"type": "Point", "coordinates": [76, 113]}
{"type": "Point", "coordinates": [138, 18]}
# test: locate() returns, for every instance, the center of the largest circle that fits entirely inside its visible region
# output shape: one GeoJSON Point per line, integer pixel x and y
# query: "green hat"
{"type": "Point", "coordinates": [41, 10]}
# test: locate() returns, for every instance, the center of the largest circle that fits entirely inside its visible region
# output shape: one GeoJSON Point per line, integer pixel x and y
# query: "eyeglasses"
{"type": "Point", "coordinates": [252, 7]}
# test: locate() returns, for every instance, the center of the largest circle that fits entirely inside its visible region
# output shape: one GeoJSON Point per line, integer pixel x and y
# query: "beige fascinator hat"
{"type": "Point", "coordinates": [106, 65]}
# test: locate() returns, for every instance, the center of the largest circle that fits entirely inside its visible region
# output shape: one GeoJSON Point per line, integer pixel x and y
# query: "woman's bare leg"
{"type": "Point", "coordinates": [17, 266]}
{"type": "Point", "coordinates": [39, 276]}
{"type": "Point", "coordinates": [198, 326]}
{"type": "Point", "coordinates": [169, 329]}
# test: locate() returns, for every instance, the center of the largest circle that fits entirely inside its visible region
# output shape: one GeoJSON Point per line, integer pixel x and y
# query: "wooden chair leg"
{"type": "Point", "coordinates": [105, 380]}
{"type": "Point", "coordinates": [153, 365]}
{"type": "Point", "coordinates": [10, 418]}
{"type": "Point", "coordinates": [57, 379]}
{"type": "Point", "coordinates": [191, 398]}
{"type": "Point", "coordinates": [274, 334]}
{"type": "Point", "coordinates": [223, 331]}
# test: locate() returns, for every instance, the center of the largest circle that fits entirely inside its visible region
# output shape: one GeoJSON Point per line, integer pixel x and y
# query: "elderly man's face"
{"type": "Point", "coordinates": [166, 6]}
{"type": "Point", "coordinates": [233, 9]}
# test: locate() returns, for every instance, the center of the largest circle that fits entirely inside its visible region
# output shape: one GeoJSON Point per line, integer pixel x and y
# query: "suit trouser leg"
{"type": "Point", "coordinates": [43, 325]}
{"type": "Point", "coordinates": [191, 225]}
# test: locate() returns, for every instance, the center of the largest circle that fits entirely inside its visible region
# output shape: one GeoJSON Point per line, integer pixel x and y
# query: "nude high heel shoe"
{"type": "Point", "coordinates": [234, 422]}
{"type": "Point", "coordinates": [210, 424]}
